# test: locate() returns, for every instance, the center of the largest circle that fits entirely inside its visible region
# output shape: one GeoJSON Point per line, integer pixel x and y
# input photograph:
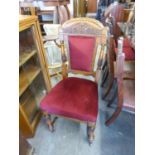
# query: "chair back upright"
{"type": "Point", "coordinates": [85, 40]}
{"type": "Point", "coordinates": [115, 13]}
{"type": "Point", "coordinates": [64, 14]}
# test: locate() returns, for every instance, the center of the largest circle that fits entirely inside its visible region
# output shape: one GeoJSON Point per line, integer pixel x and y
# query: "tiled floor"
{"type": "Point", "coordinates": [70, 137]}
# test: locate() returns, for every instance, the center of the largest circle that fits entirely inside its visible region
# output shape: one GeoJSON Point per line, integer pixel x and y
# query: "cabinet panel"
{"type": "Point", "coordinates": [92, 6]}
{"type": "Point", "coordinates": [28, 104]}
{"type": "Point", "coordinates": [32, 84]}
{"type": "Point", "coordinates": [38, 89]}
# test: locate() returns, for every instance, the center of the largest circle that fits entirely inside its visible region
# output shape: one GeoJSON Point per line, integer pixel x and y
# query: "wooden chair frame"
{"type": "Point", "coordinates": [119, 77]}
{"type": "Point", "coordinates": [82, 27]}
{"type": "Point", "coordinates": [115, 70]}
{"type": "Point", "coordinates": [111, 67]}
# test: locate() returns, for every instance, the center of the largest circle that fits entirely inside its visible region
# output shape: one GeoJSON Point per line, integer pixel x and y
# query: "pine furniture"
{"type": "Point", "coordinates": [34, 81]}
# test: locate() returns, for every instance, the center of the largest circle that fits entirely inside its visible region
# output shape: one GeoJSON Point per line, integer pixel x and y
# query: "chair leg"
{"type": "Point", "coordinates": [113, 117]}
{"type": "Point", "coordinates": [112, 99]}
{"type": "Point", "coordinates": [105, 76]}
{"type": "Point", "coordinates": [104, 65]}
{"type": "Point", "coordinates": [107, 90]}
{"type": "Point", "coordinates": [90, 132]}
{"type": "Point", "coordinates": [50, 122]}
{"type": "Point", "coordinates": [119, 106]}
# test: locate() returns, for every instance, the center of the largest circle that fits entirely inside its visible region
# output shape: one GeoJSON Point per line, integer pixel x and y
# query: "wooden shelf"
{"type": "Point", "coordinates": [25, 97]}
{"type": "Point", "coordinates": [25, 56]}
{"type": "Point", "coordinates": [36, 120]}
{"type": "Point", "coordinates": [23, 82]}
{"type": "Point", "coordinates": [25, 79]}
{"type": "Point", "coordinates": [30, 109]}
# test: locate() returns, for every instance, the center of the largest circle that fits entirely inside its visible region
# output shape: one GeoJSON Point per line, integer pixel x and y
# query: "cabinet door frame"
{"type": "Point", "coordinates": [26, 22]}
{"type": "Point", "coordinates": [33, 21]}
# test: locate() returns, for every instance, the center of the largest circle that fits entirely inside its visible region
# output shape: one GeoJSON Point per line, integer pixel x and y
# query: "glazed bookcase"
{"type": "Point", "coordinates": [34, 81]}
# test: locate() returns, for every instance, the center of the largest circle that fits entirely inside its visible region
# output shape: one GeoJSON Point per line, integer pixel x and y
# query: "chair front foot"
{"type": "Point", "coordinates": [90, 132]}
{"type": "Point", "coordinates": [50, 122]}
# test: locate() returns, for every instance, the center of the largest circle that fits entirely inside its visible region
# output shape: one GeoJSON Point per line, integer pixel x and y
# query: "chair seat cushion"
{"type": "Point", "coordinates": [127, 49]}
{"type": "Point", "coordinates": [126, 43]}
{"type": "Point", "coordinates": [129, 53]}
{"type": "Point", "coordinates": [74, 98]}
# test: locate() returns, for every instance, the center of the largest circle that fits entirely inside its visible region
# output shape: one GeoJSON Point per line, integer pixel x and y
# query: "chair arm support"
{"type": "Point", "coordinates": [64, 60]}
{"type": "Point", "coordinates": [99, 64]}
{"type": "Point", "coordinates": [50, 38]}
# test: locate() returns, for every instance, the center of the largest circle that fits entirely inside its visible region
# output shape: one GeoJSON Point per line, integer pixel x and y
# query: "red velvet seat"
{"type": "Point", "coordinates": [73, 97]}
{"type": "Point", "coordinates": [127, 49]}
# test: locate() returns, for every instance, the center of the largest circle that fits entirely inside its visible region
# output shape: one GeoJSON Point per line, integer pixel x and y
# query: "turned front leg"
{"type": "Point", "coordinates": [90, 131]}
{"type": "Point", "coordinates": [49, 121]}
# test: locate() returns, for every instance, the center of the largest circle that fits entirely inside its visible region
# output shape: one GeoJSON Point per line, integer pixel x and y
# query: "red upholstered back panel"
{"type": "Point", "coordinates": [81, 52]}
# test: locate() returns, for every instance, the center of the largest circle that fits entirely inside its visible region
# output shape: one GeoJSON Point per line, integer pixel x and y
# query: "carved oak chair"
{"type": "Point", "coordinates": [77, 98]}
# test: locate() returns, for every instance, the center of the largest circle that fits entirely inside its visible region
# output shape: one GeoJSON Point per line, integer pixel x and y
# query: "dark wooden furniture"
{"type": "Point", "coordinates": [113, 14]}
{"type": "Point", "coordinates": [76, 98]}
{"type": "Point", "coordinates": [125, 90]}
{"type": "Point", "coordinates": [117, 71]}
{"type": "Point", "coordinates": [116, 12]}
{"type": "Point", "coordinates": [110, 65]}
{"type": "Point", "coordinates": [128, 48]}
{"type": "Point", "coordinates": [34, 81]}
{"type": "Point", "coordinates": [24, 147]}
{"type": "Point", "coordinates": [91, 6]}
{"type": "Point", "coordinates": [128, 30]}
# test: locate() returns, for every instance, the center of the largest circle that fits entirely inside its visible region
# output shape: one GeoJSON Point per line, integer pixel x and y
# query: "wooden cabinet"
{"type": "Point", "coordinates": [91, 6]}
{"type": "Point", "coordinates": [126, 14]}
{"type": "Point", "coordinates": [24, 147]}
{"type": "Point", "coordinates": [34, 82]}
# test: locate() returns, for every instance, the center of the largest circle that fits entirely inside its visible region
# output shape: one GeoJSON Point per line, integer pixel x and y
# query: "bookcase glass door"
{"type": "Point", "coordinates": [31, 82]}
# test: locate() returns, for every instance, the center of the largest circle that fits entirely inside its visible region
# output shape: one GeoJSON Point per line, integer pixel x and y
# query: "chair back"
{"type": "Point", "coordinates": [116, 14]}
{"type": "Point", "coordinates": [64, 15]}
{"type": "Point", "coordinates": [86, 40]}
